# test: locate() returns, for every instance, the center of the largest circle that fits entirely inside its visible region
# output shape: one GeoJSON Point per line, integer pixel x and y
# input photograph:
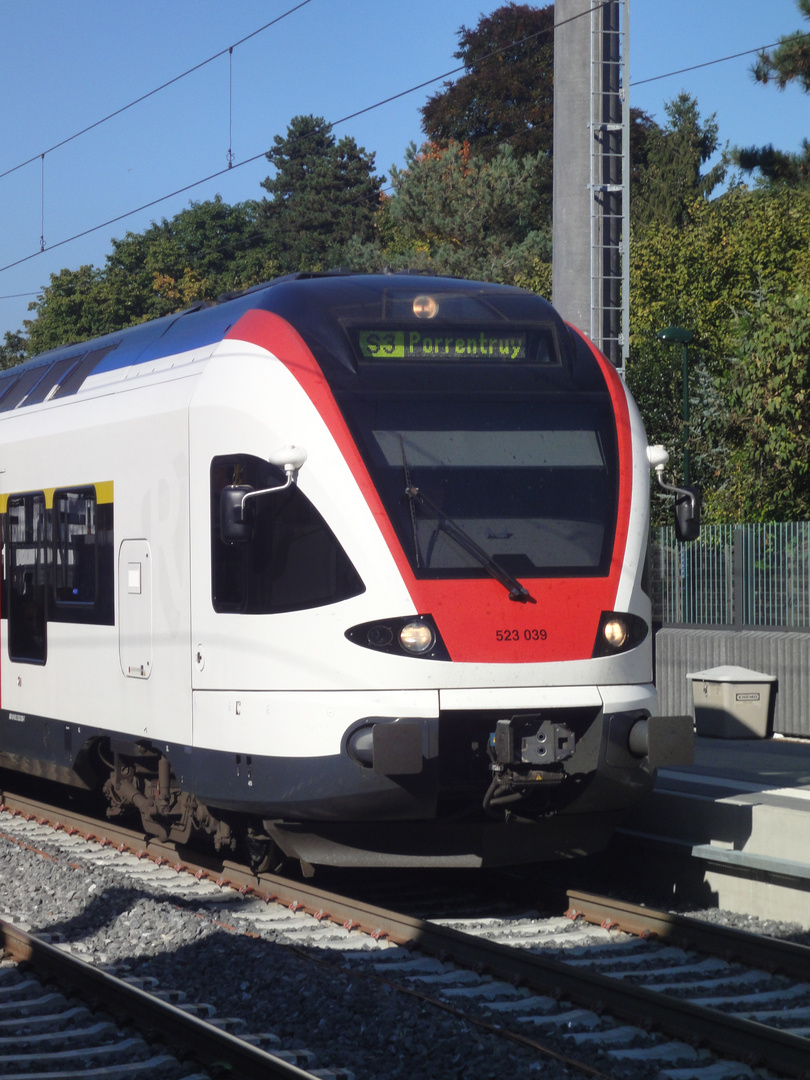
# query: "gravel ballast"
{"type": "Point", "coordinates": [162, 926]}
{"type": "Point", "coordinates": [303, 996]}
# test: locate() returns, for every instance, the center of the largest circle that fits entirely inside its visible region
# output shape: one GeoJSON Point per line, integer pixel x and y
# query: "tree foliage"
{"type": "Point", "coordinates": [506, 95]}
{"type": "Point", "coordinates": [768, 423]}
{"type": "Point", "coordinates": [456, 213]}
{"type": "Point", "coordinates": [13, 350]}
{"type": "Point", "coordinates": [775, 166]}
{"type": "Point", "coordinates": [736, 248]}
{"type": "Point", "coordinates": [208, 249]}
{"type": "Point", "coordinates": [789, 62]}
{"type": "Point", "coordinates": [701, 275]}
{"type": "Point", "coordinates": [670, 179]}
{"type": "Point", "coordinates": [75, 306]}
{"type": "Point", "coordinates": [323, 195]}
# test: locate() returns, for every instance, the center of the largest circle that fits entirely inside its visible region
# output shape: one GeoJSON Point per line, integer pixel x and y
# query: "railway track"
{"type": "Point", "coordinates": [599, 986]}
{"type": "Point", "coordinates": [107, 1026]}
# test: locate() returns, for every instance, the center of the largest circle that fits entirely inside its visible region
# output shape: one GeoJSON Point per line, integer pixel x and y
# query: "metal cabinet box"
{"type": "Point", "coordinates": [733, 703]}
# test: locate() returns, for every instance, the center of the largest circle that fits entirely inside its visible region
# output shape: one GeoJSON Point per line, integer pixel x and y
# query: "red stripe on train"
{"type": "Point", "coordinates": [477, 620]}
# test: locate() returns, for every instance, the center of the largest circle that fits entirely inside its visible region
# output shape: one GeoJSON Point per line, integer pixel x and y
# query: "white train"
{"type": "Point", "coordinates": [348, 569]}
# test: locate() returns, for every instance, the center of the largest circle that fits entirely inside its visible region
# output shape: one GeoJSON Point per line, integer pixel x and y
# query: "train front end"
{"type": "Point", "coordinates": [475, 684]}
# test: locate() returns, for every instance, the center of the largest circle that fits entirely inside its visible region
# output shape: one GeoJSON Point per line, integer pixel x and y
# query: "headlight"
{"type": "Point", "coordinates": [404, 635]}
{"type": "Point", "coordinates": [619, 631]}
{"type": "Point", "coordinates": [615, 631]}
{"type": "Point", "coordinates": [425, 307]}
{"type": "Point", "coordinates": [416, 637]}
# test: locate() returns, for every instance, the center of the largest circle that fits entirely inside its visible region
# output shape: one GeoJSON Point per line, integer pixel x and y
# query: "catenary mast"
{"type": "Point", "coordinates": [592, 171]}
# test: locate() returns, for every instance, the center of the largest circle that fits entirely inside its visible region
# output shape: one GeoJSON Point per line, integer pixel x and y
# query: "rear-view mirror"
{"type": "Point", "coordinates": [235, 525]}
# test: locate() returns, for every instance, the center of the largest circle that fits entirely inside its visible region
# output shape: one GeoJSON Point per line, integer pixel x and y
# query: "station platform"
{"type": "Point", "coordinates": [731, 830]}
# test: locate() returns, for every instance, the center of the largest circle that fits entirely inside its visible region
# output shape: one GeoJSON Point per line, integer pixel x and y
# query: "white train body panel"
{"type": "Point", "coordinates": [82, 680]}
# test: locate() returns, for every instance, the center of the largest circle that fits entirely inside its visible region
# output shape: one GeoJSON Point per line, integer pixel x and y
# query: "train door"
{"type": "Point", "coordinates": [135, 608]}
{"type": "Point", "coordinates": [27, 578]}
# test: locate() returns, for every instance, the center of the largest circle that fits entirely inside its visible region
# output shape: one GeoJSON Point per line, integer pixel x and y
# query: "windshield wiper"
{"type": "Point", "coordinates": [516, 591]}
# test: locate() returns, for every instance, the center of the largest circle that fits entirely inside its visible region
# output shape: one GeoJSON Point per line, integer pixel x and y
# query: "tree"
{"type": "Point", "coordinates": [741, 246]}
{"type": "Point", "coordinates": [789, 62]}
{"type": "Point", "coordinates": [643, 131]}
{"type": "Point", "coordinates": [671, 179]}
{"type": "Point", "coordinates": [506, 95]}
{"type": "Point", "coordinates": [324, 194]}
{"type": "Point", "coordinates": [13, 350]}
{"type": "Point", "coordinates": [507, 92]}
{"type": "Point", "coordinates": [768, 425]}
{"type": "Point", "coordinates": [456, 213]}
{"type": "Point", "coordinates": [72, 308]}
{"type": "Point", "coordinates": [775, 166]}
{"type": "Point", "coordinates": [791, 58]}
{"type": "Point", "coordinates": [208, 249]}
{"type": "Point", "coordinates": [702, 275]}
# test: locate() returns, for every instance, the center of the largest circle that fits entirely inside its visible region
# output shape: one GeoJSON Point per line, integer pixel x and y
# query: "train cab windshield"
{"type": "Point", "coordinates": [487, 429]}
{"type": "Point", "coordinates": [531, 483]}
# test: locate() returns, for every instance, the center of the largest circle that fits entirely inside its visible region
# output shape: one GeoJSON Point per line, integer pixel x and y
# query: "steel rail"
{"type": "Point", "coordinates": [204, 1042]}
{"type": "Point", "coordinates": [772, 954]}
{"type": "Point", "coordinates": [741, 1039]}
{"type": "Point", "coordinates": [735, 1036]}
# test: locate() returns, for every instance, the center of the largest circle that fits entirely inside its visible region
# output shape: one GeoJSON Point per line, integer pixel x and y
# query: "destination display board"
{"type": "Point", "coordinates": [448, 345]}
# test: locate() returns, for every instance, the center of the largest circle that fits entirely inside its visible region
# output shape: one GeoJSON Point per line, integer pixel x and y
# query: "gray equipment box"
{"type": "Point", "coordinates": [733, 703]}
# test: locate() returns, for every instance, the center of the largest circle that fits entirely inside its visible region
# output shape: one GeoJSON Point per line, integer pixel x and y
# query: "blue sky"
{"type": "Point", "coordinates": [65, 65]}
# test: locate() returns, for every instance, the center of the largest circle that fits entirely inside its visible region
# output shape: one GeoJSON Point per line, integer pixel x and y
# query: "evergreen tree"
{"type": "Point", "coordinates": [456, 213]}
{"type": "Point", "coordinates": [671, 179]}
{"type": "Point", "coordinates": [775, 166]}
{"type": "Point", "coordinates": [323, 195]}
{"type": "Point", "coordinates": [789, 62]}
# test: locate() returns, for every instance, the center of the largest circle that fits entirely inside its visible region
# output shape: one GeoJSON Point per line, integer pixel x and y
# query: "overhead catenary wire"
{"type": "Point", "coordinates": [257, 157]}
{"type": "Point", "coordinates": [711, 63]}
{"type": "Point", "coordinates": [232, 164]}
{"type": "Point", "coordinates": [156, 90]}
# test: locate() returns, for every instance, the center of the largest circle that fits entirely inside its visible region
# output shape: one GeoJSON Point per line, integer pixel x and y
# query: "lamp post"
{"type": "Point", "coordinates": [676, 335]}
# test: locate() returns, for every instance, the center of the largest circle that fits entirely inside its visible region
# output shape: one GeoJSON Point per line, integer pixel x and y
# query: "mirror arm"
{"type": "Point", "coordinates": [289, 458]}
{"type": "Point", "coordinates": [659, 476]}
{"type": "Point", "coordinates": [266, 491]}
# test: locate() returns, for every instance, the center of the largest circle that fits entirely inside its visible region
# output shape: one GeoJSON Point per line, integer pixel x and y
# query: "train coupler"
{"type": "Point", "coordinates": [530, 740]}
{"type": "Point", "coordinates": [526, 755]}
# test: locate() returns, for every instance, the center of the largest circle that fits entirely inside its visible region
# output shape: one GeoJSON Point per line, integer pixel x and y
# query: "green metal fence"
{"type": "Point", "coordinates": [735, 576]}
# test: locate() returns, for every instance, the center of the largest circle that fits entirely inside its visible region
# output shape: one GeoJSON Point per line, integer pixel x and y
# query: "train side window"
{"type": "Point", "coordinates": [292, 561]}
{"type": "Point", "coordinates": [27, 573]}
{"type": "Point", "coordinates": [74, 544]}
{"type": "Point", "coordinates": [82, 559]}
